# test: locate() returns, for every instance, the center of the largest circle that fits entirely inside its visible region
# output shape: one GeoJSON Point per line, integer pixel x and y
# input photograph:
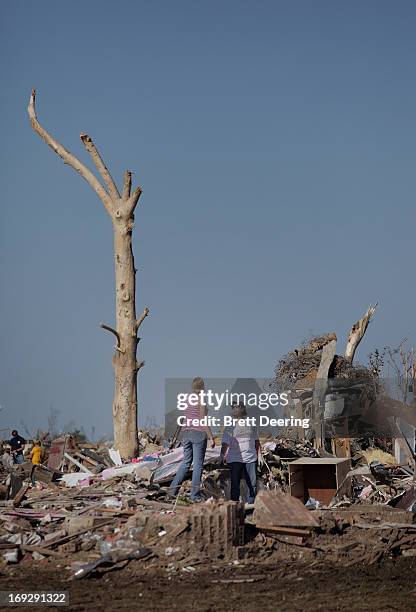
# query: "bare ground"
{"type": "Point", "coordinates": [277, 586]}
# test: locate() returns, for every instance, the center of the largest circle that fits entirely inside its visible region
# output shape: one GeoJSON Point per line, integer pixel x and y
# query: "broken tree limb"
{"type": "Point", "coordinates": [357, 332]}
{"type": "Point", "coordinates": [101, 167]}
{"type": "Point", "coordinates": [142, 317]}
{"type": "Point", "coordinates": [113, 331]}
{"type": "Point", "coordinates": [67, 157]}
{"type": "Point", "coordinates": [134, 198]}
{"type": "Point", "coordinates": [127, 185]}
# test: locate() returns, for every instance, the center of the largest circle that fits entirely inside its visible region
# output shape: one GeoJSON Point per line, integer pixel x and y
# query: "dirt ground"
{"type": "Point", "coordinates": [277, 586]}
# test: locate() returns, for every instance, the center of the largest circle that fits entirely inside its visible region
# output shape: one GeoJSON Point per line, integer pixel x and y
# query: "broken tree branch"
{"type": "Point", "coordinates": [134, 198]}
{"type": "Point", "coordinates": [66, 156]}
{"type": "Point", "coordinates": [101, 167]}
{"type": "Point", "coordinates": [127, 185]}
{"type": "Point", "coordinates": [142, 317]}
{"type": "Point", "coordinates": [402, 361]}
{"type": "Point", "coordinates": [357, 332]}
{"type": "Point", "coordinates": [113, 331]}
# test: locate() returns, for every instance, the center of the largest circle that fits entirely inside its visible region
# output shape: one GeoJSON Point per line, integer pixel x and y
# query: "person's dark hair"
{"type": "Point", "coordinates": [14, 432]}
{"type": "Point", "coordinates": [198, 384]}
{"type": "Point", "coordinates": [241, 406]}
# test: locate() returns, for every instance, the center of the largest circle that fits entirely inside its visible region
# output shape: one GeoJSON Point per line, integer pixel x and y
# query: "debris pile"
{"type": "Point", "coordinates": [339, 499]}
{"type": "Point", "coordinates": [300, 367]}
{"type": "Point", "coordinates": [94, 513]}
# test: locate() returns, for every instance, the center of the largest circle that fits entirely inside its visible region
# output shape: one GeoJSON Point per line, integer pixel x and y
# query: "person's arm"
{"type": "Point", "coordinates": [175, 437]}
{"type": "Point", "coordinates": [203, 413]}
{"type": "Point", "coordinates": [224, 444]}
{"type": "Point", "coordinates": [257, 445]}
{"type": "Point", "coordinates": [224, 448]}
{"type": "Point", "coordinates": [256, 440]}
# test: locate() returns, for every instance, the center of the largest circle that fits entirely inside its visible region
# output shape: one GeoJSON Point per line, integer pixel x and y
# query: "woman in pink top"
{"type": "Point", "coordinates": [194, 442]}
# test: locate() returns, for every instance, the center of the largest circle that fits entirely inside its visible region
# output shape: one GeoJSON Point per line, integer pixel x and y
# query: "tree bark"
{"type": "Point", "coordinates": [121, 210]}
{"type": "Point", "coordinates": [357, 332]}
{"type": "Point", "coordinates": [124, 360]}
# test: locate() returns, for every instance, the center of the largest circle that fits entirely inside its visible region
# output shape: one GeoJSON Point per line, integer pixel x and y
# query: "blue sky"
{"type": "Point", "coordinates": [275, 144]}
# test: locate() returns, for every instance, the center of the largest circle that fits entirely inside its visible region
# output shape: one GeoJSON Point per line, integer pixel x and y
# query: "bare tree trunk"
{"type": "Point", "coordinates": [124, 361]}
{"type": "Point", "coordinates": [121, 210]}
{"type": "Point", "coordinates": [357, 332]}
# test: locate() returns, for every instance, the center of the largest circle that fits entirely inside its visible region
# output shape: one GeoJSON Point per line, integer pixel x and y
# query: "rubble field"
{"type": "Point", "coordinates": [328, 532]}
{"type": "Point", "coordinates": [332, 526]}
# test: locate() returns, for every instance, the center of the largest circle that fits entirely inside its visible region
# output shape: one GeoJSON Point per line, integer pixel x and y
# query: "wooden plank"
{"type": "Point", "coordinates": [120, 511]}
{"type": "Point", "coordinates": [75, 535]}
{"type": "Point", "coordinates": [85, 458]}
{"type": "Point", "coordinates": [362, 513]}
{"type": "Point", "coordinates": [321, 383]}
{"type": "Point", "coordinates": [20, 495]}
{"type": "Point", "coordinates": [158, 504]}
{"type": "Point", "coordinates": [406, 526]}
{"type": "Point", "coordinates": [284, 530]}
{"type": "Point", "coordinates": [39, 549]}
{"type": "Point", "coordinates": [78, 464]}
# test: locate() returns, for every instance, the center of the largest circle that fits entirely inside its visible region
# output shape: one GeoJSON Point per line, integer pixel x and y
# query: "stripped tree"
{"type": "Point", "coordinates": [357, 332]}
{"type": "Point", "coordinates": [402, 360]}
{"type": "Point", "coordinates": [121, 209]}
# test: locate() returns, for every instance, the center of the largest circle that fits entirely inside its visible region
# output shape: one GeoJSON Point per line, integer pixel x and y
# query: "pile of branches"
{"type": "Point", "coordinates": [302, 365]}
{"type": "Point", "coordinates": [343, 368]}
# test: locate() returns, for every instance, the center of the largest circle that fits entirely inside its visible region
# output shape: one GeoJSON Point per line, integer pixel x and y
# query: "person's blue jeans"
{"type": "Point", "coordinates": [18, 458]}
{"type": "Point", "coordinates": [249, 471]}
{"type": "Point", "coordinates": [194, 446]}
